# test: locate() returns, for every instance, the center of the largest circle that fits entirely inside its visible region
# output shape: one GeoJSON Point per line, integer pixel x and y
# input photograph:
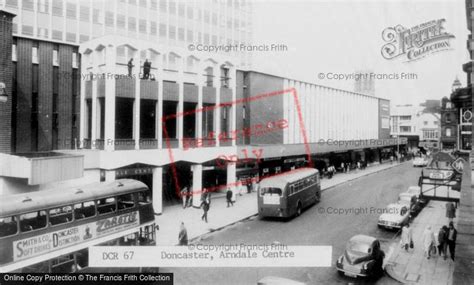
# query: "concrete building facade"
{"type": "Point", "coordinates": [174, 23]}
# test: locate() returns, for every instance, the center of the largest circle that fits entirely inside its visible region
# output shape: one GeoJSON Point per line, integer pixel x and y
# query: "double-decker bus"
{"type": "Point", "coordinates": [287, 194]}
{"type": "Point", "coordinates": [50, 231]}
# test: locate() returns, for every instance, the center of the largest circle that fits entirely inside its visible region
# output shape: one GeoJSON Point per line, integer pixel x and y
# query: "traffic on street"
{"type": "Point", "coordinates": [344, 211]}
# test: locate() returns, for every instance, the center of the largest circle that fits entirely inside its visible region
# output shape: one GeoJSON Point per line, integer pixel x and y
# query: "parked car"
{"type": "Point", "coordinates": [396, 215]}
{"type": "Point", "coordinates": [416, 190]}
{"type": "Point", "coordinates": [420, 162]}
{"type": "Point", "coordinates": [362, 257]}
{"type": "Point", "coordinates": [411, 201]}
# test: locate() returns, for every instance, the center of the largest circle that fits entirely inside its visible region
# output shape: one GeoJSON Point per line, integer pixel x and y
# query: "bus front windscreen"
{"type": "Point", "coordinates": [270, 191]}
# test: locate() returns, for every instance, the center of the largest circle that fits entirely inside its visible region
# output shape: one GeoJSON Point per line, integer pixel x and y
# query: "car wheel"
{"type": "Point", "coordinates": [298, 209]}
{"type": "Point", "coordinates": [340, 273]}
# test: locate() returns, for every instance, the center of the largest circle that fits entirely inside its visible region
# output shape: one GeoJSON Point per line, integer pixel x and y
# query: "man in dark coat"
{"type": "Point", "coordinates": [228, 196]}
{"type": "Point", "coordinates": [442, 241]}
{"type": "Point", "coordinates": [205, 208]}
{"type": "Point", "coordinates": [450, 211]}
{"type": "Point", "coordinates": [452, 235]}
{"type": "Point", "coordinates": [183, 235]}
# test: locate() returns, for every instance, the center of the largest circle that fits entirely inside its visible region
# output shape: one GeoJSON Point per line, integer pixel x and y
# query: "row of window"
{"type": "Point", "coordinates": [98, 16]}
{"type": "Point", "coordinates": [430, 134]}
{"type": "Point", "coordinates": [35, 59]}
{"type": "Point", "coordinates": [65, 214]}
{"type": "Point", "coordinates": [172, 32]}
{"type": "Point", "coordinates": [303, 184]}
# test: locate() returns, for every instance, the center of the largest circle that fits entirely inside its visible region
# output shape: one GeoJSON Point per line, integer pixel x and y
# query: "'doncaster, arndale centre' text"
{"type": "Point", "coordinates": [231, 252]}
{"type": "Point", "coordinates": [229, 255]}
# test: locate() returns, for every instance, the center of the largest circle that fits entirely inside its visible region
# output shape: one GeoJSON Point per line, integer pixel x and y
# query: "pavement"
{"type": "Point", "coordinates": [413, 267]}
{"type": "Point", "coordinates": [245, 207]}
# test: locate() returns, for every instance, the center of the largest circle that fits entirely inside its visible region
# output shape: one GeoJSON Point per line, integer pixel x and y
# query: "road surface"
{"type": "Point", "coordinates": [318, 225]}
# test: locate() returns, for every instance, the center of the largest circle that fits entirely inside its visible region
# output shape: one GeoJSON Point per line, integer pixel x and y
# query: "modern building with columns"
{"type": "Point", "coordinates": [94, 122]}
{"type": "Point", "coordinates": [135, 128]}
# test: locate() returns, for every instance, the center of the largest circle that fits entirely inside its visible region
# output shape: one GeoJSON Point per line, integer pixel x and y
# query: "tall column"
{"type": "Point", "coordinates": [136, 103]}
{"type": "Point", "coordinates": [94, 102]}
{"type": "Point", "coordinates": [99, 122]}
{"type": "Point", "coordinates": [109, 175]}
{"type": "Point", "coordinates": [109, 124]}
{"type": "Point", "coordinates": [232, 178]}
{"type": "Point", "coordinates": [82, 116]}
{"type": "Point", "coordinates": [217, 110]}
{"type": "Point", "coordinates": [180, 116]}
{"type": "Point", "coordinates": [197, 184]}
{"type": "Point", "coordinates": [199, 112]}
{"type": "Point", "coordinates": [159, 105]}
{"type": "Point", "coordinates": [157, 189]}
{"type": "Point", "coordinates": [233, 108]}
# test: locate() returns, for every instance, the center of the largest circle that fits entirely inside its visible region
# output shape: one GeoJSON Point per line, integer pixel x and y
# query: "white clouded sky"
{"type": "Point", "coordinates": [345, 36]}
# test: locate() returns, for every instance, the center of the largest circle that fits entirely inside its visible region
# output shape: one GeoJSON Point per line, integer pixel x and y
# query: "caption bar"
{"type": "Point", "coordinates": [87, 278]}
{"type": "Point", "coordinates": [198, 255]}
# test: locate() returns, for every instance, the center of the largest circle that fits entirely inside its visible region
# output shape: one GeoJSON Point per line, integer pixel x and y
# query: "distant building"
{"type": "Point", "coordinates": [365, 84]}
{"type": "Point", "coordinates": [449, 125]}
{"type": "Point", "coordinates": [420, 125]}
{"type": "Point", "coordinates": [429, 129]}
{"type": "Point", "coordinates": [403, 124]}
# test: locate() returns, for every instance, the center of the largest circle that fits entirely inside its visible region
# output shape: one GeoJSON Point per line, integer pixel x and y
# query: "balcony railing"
{"type": "Point", "coordinates": [148, 143]}
{"type": "Point", "coordinates": [124, 144]}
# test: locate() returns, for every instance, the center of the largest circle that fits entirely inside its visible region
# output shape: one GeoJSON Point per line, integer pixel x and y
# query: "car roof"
{"type": "Point", "coordinates": [395, 205]}
{"type": "Point", "coordinates": [414, 188]}
{"type": "Point", "coordinates": [363, 239]}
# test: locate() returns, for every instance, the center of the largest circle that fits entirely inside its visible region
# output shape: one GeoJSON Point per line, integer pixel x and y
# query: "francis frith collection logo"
{"type": "Point", "coordinates": [416, 42]}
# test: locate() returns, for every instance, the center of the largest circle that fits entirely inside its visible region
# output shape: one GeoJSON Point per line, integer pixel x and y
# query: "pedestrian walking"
{"type": "Point", "coordinates": [330, 172]}
{"type": "Point", "coordinates": [184, 196]}
{"type": "Point", "coordinates": [443, 241]}
{"type": "Point", "coordinates": [452, 235]}
{"type": "Point", "coordinates": [205, 208]}
{"type": "Point", "coordinates": [189, 198]}
{"type": "Point", "coordinates": [342, 167]}
{"type": "Point", "coordinates": [391, 159]}
{"type": "Point", "coordinates": [183, 235]}
{"type": "Point", "coordinates": [406, 240]}
{"type": "Point", "coordinates": [428, 241]}
{"type": "Point", "coordinates": [228, 196]}
{"type": "Point", "coordinates": [130, 67]}
{"type": "Point", "coordinates": [204, 195]}
{"type": "Point", "coordinates": [450, 211]}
